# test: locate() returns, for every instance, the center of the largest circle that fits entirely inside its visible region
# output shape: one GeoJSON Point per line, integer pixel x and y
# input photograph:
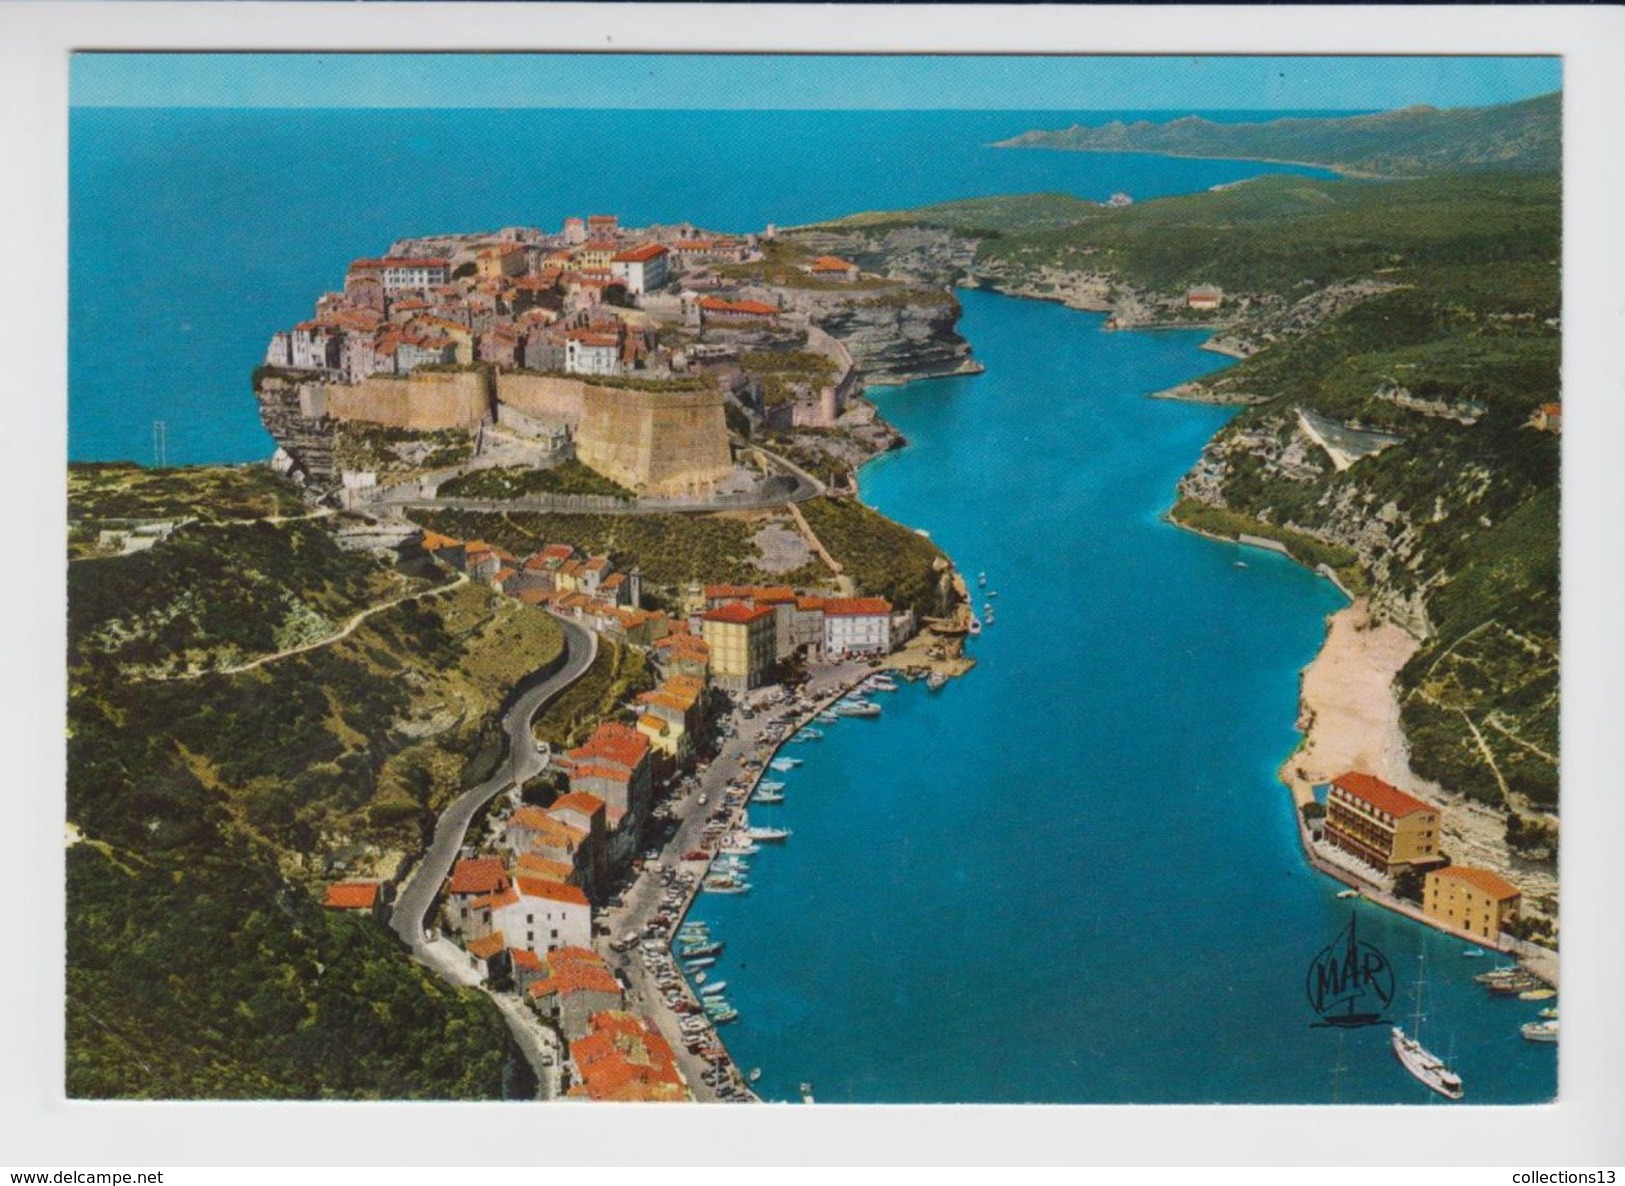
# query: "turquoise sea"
{"type": "Point", "coordinates": [1068, 877]}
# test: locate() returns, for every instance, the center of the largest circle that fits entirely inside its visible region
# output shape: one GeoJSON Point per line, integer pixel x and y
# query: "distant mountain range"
{"type": "Point", "coordinates": [1519, 137]}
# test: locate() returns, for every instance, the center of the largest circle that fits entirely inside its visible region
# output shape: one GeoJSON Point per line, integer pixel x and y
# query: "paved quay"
{"type": "Point", "coordinates": [642, 901]}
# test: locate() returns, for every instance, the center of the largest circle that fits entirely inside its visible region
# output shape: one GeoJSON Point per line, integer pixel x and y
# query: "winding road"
{"type": "Point", "coordinates": [524, 761]}
{"type": "Point", "coordinates": [411, 910]}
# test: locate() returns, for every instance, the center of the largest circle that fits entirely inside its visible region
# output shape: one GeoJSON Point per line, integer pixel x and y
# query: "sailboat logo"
{"type": "Point", "coordinates": [1349, 982]}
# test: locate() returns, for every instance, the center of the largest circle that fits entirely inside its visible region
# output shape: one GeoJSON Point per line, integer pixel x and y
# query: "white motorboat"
{"type": "Point", "coordinates": [1540, 1031]}
{"type": "Point", "coordinates": [784, 764]}
{"type": "Point", "coordinates": [769, 834]}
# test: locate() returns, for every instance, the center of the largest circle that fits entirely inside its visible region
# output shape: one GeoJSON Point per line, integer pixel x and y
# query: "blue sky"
{"type": "Point", "coordinates": [712, 81]}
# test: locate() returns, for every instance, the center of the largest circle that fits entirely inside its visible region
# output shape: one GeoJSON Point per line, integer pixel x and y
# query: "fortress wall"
{"type": "Point", "coordinates": [545, 397]}
{"type": "Point", "coordinates": [421, 402]}
{"type": "Point", "coordinates": [655, 442]}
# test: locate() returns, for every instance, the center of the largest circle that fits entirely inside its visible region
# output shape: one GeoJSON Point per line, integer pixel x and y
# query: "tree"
{"type": "Point", "coordinates": [1408, 885]}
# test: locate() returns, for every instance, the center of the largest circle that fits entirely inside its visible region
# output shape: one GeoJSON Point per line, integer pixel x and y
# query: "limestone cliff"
{"type": "Point", "coordinates": [895, 336]}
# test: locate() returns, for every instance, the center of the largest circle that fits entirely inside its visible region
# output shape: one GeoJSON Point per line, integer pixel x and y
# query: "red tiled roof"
{"type": "Point", "coordinates": [544, 868]}
{"type": "Point", "coordinates": [401, 261]}
{"type": "Point", "coordinates": [581, 801]}
{"type": "Point", "coordinates": [641, 254]}
{"type": "Point", "coordinates": [485, 948]}
{"type": "Point", "coordinates": [614, 743]}
{"type": "Point", "coordinates": [478, 875]}
{"type": "Point", "coordinates": [528, 960]}
{"type": "Point", "coordinates": [611, 773]}
{"type": "Point", "coordinates": [530, 816]}
{"type": "Point", "coordinates": [503, 897]}
{"type": "Point", "coordinates": [737, 613]}
{"type": "Point", "coordinates": [351, 895]}
{"type": "Point", "coordinates": [749, 308]}
{"type": "Point", "coordinates": [855, 607]}
{"type": "Point", "coordinates": [1480, 879]}
{"type": "Point", "coordinates": [535, 887]}
{"type": "Point", "coordinates": [1380, 795]}
{"type": "Point", "coordinates": [831, 263]}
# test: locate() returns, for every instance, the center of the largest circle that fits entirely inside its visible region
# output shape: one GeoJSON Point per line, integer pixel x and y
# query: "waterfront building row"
{"type": "Point", "coordinates": [1384, 835]}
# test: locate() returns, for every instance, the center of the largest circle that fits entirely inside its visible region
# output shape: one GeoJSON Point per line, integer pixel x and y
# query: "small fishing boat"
{"type": "Point", "coordinates": [1538, 994]}
{"type": "Point", "coordinates": [784, 764]}
{"type": "Point", "coordinates": [1473, 953]}
{"type": "Point", "coordinates": [991, 619]}
{"type": "Point", "coordinates": [808, 735]}
{"type": "Point", "coordinates": [755, 1074]}
{"type": "Point", "coordinates": [723, 1015]}
{"type": "Point", "coordinates": [981, 580]}
{"type": "Point", "coordinates": [1239, 563]}
{"type": "Point", "coordinates": [769, 785]}
{"type": "Point", "coordinates": [1539, 1031]}
{"type": "Point", "coordinates": [696, 965]}
{"type": "Point", "coordinates": [768, 797]}
{"type": "Point", "coordinates": [1348, 893]}
{"type": "Point", "coordinates": [700, 951]}
{"type": "Point", "coordinates": [827, 717]}
{"type": "Point", "coordinates": [935, 681]}
{"type": "Point", "coordinates": [712, 989]}
{"type": "Point", "coordinates": [859, 708]}
{"type": "Point", "coordinates": [1549, 1013]}
{"type": "Point", "coordinates": [769, 834]}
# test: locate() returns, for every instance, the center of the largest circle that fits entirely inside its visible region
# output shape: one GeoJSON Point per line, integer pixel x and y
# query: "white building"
{"type": "Point", "coordinates": [314, 347]}
{"type": "Point", "coordinates": [590, 352]}
{"type": "Point", "coordinates": [543, 915]}
{"type": "Point", "coordinates": [642, 269]}
{"type": "Point", "coordinates": [398, 272]}
{"type": "Point", "coordinates": [857, 625]}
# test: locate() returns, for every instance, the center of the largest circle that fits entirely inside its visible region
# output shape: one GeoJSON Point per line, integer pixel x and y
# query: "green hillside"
{"type": "Point", "coordinates": [1411, 142]}
{"type": "Point", "coordinates": [209, 808]}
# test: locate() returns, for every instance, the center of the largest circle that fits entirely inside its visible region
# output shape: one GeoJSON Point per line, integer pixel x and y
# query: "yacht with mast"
{"type": "Point", "coordinates": [1426, 1067]}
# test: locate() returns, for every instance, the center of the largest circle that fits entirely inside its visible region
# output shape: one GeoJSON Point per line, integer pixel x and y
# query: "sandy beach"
{"type": "Point", "coordinates": [1350, 717]}
{"type": "Point", "coordinates": [1347, 706]}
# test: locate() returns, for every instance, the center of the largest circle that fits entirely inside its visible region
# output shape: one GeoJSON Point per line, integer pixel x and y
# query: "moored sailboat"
{"type": "Point", "coordinates": [1424, 1066]}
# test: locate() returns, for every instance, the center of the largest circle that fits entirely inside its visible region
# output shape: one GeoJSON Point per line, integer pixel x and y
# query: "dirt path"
{"type": "Point", "coordinates": [326, 640]}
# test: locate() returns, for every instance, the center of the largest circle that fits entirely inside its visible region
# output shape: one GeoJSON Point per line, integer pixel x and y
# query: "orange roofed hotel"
{"type": "Point", "coordinates": [1380, 825]}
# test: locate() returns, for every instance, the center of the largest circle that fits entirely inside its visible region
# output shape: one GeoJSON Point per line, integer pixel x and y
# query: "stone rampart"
{"type": "Point", "coordinates": [543, 397]}
{"type": "Point", "coordinates": [419, 401]}
{"type": "Point", "coordinates": [661, 443]}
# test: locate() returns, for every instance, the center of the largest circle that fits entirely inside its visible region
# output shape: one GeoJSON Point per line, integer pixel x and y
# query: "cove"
{"type": "Point", "coordinates": [1071, 876]}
